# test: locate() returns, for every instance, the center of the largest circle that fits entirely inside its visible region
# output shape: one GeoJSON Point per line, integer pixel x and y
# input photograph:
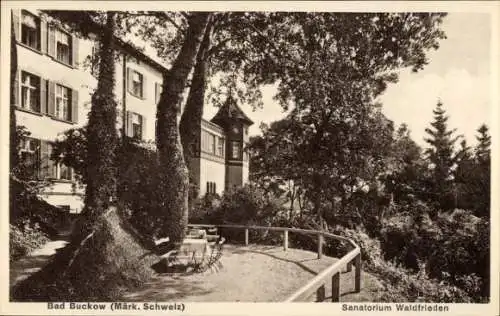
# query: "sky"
{"type": "Point", "coordinates": [458, 74]}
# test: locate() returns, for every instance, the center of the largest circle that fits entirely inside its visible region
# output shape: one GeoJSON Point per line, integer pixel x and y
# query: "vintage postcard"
{"type": "Point", "coordinates": [244, 158]}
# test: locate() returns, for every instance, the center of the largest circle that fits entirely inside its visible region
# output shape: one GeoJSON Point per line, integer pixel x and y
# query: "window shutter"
{"type": "Point", "coordinates": [17, 24]}
{"type": "Point", "coordinates": [208, 187]}
{"type": "Point", "coordinates": [143, 125]}
{"type": "Point", "coordinates": [15, 95]}
{"type": "Point", "coordinates": [129, 131]}
{"type": "Point", "coordinates": [43, 159]}
{"type": "Point", "coordinates": [74, 106]}
{"type": "Point", "coordinates": [51, 41]}
{"type": "Point", "coordinates": [43, 36]}
{"type": "Point", "coordinates": [157, 92]}
{"type": "Point", "coordinates": [43, 96]}
{"type": "Point", "coordinates": [74, 51]}
{"type": "Point", "coordinates": [51, 102]}
{"type": "Point", "coordinates": [46, 164]}
{"type": "Point", "coordinates": [144, 87]}
{"type": "Point", "coordinates": [129, 80]}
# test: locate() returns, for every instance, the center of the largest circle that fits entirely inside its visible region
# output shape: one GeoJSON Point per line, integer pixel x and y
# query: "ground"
{"type": "Point", "coordinates": [256, 273]}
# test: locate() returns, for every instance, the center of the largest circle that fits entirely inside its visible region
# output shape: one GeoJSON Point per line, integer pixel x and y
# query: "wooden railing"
{"type": "Point", "coordinates": [318, 283]}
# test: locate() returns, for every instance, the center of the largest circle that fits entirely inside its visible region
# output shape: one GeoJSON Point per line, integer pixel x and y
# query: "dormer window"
{"type": "Point", "coordinates": [30, 30]}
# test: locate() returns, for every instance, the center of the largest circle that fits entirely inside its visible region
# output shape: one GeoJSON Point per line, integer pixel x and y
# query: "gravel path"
{"type": "Point", "coordinates": [34, 262]}
{"type": "Point", "coordinates": [246, 274]}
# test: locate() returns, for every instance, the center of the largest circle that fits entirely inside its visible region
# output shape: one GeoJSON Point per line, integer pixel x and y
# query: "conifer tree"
{"type": "Point", "coordinates": [441, 156]}
{"type": "Point", "coordinates": [482, 176]}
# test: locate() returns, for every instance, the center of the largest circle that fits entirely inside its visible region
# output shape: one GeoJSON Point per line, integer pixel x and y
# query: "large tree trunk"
{"type": "Point", "coordinates": [102, 134]}
{"type": "Point", "coordinates": [190, 125]}
{"type": "Point", "coordinates": [173, 172]}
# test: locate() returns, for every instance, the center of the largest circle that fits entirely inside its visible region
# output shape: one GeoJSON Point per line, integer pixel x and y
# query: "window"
{"type": "Point", "coordinates": [30, 30]}
{"type": "Point", "coordinates": [30, 92]}
{"type": "Point", "coordinates": [220, 147]}
{"type": "Point", "coordinates": [211, 188]}
{"type": "Point", "coordinates": [136, 126]}
{"type": "Point", "coordinates": [208, 142]}
{"type": "Point", "coordinates": [235, 150]}
{"type": "Point", "coordinates": [64, 172]}
{"type": "Point", "coordinates": [63, 103]}
{"type": "Point", "coordinates": [63, 47]}
{"type": "Point", "coordinates": [136, 81]}
{"type": "Point", "coordinates": [29, 148]}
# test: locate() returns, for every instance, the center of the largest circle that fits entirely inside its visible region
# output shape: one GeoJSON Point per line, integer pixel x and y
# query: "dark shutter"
{"type": "Point", "coordinates": [74, 106]}
{"type": "Point", "coordinates": [74, 51]}
{"type": "Point", "coordinates": [143, 127]}
{"type": "Point", "coordinates": [46, 163]}
{"type": "Point", "coordinates": [43, 96]}
{"type": "Point", "coordinates": [41, 158]}
{"type": "Point", "coordinates": [208, 187]}
{"type": "Point", "coordinates": [17, 25]}
{"type": "Point", "coordinates": [144, 88]}
{"type": "Point", "coordinates": [157, 92]}
{"type": "Point", "coordinates": [51, 101]}
{"type": "Point", "coordinates": [129, 80]}
{"type": "Point", "coordinates": [43, 36]}
{"type": "Point", "coordinates": [51, 41]}
{"type": "Point", "coordinates": [129, 132]}
{"type": "Point", "coordinates": [16, 83]}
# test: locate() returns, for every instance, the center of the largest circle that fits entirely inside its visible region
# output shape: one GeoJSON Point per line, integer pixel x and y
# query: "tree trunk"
{"type": "Point", "coordinates": [190, 124]}
{"type": "Point", "coordinates": [102, 134]}
{"type": "Point", "coordinates": [174, 184]}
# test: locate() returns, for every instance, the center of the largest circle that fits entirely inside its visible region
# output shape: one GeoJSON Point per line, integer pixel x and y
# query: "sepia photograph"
{"type": "Point", "coordinates": [156, 156]}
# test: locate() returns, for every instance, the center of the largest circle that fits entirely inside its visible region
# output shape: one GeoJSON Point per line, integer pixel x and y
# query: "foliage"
{"type": "Point", "coordinates": [452, 247]}
{"type": "Point", "coordinates": [174, 185]}
{"type": "Point", "coordinates": [101, 130]}
{"type": "Point", "coordinates": [110, 262]}
{"type": "Point", "coordinates": [24, 238]}
{"type": "Point", "coordinates": [441, 157]}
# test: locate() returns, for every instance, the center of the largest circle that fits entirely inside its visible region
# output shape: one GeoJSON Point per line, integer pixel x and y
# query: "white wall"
{"type": "Point", "coordinates": [212, 171]}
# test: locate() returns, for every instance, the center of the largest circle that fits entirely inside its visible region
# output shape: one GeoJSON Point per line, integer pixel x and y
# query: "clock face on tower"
{"type": "Point", "coordinates": [236, 130]}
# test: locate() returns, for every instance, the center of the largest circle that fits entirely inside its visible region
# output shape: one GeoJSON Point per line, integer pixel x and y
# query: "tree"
{"type": "Point", "coordinates": [441, 156]}
{"type": "Point", "coordinates": [482, 179]}
{"type": "Point", "coordinates": [101, 131]}
{"type": "Point", "coordinates": [173, 171]}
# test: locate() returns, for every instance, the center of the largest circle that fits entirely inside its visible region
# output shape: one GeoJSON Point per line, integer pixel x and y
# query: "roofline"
{"type": "Point", "coordinates": [129, 48]}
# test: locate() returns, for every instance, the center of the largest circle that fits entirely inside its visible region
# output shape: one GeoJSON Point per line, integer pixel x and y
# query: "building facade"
{"type": "Point", "coordinates": [54, 83]}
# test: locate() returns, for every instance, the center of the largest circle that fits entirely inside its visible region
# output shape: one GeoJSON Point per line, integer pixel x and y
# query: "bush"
{"type": "Point", "coordinates": [138, 186]}
{"type": "Point", "coordinates": [454, 247]}
{"type": "Point", "coordinates": [24, 240]}
{"type": "Point", "coordinates": [107, 264]}
{"type": "Point", "coordinates": [248, 205]}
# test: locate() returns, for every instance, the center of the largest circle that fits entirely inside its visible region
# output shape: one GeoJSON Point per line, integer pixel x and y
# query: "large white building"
{"type": "Point", "coordinates": [53, 89]}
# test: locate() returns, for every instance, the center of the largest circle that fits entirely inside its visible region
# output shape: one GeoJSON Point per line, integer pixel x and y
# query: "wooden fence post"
{"type": "Point", "coordinates": [246, 236]}
{"type": "Point", "coordinates": [320, 245]}
{"type": "Point", "coordinates": [320, 294]}
{"type": "Point", "coordinates": [357, 276]}
{"type": "Point", "coordinates": [285, 240]}
{"type": "Point", "coordinates": [336, 287]}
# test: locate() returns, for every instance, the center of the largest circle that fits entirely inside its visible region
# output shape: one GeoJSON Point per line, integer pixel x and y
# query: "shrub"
{"type": "Point", "coordinates": [23, 240]}
{"type": "Point", "coordinates": [107, 264]}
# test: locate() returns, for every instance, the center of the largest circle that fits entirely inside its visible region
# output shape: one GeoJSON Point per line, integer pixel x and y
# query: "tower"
{"type": "Point", "coordinates": [235, 124]}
